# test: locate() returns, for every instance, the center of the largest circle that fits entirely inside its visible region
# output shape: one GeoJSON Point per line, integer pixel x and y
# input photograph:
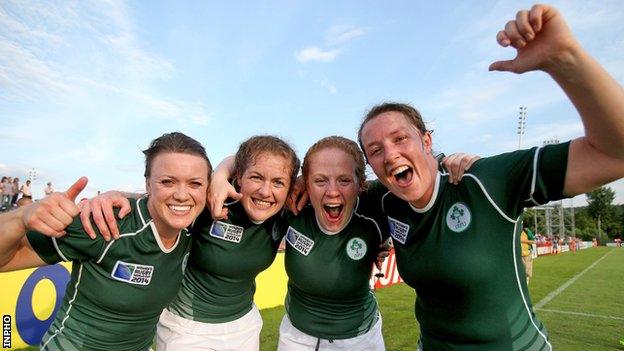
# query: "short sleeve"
{"type": "Point", "coordinates": [549, 179]}
{"type": "Point", "coordinates": [523, 178]}
{"type": "Point", "coordinates": [76, 245]}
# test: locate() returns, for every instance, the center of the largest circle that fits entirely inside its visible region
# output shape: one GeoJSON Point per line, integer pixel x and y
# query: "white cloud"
{"type": "Point", "coordinates": [23, 76]}
{"type": "Point", "coordinates": [561, 131]}
{"type": "Point", "coordinates": [482, 138]}
{"type": "Point", "coordinates": [12, 170]}
{"type": "Point", "coordinates": [469, 98]}
{"type": "Point", "coordinates": [329, 86]}
{"type": "Point", "coordinates": [342, 34]}
{"type": "Point", "coordinates": [70, 54]}
{"type": "Point", "coordinates": [316, 54]}
{"type": "Point", "coordinates": [618, 187]}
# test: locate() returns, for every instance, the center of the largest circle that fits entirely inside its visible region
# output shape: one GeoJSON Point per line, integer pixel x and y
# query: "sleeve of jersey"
{"type": "Point", "coordinates": [524, 178]}
{"type": "Point", "coordinates": [548, 179]}
{"type": "Point", "coordinates": [75, 245]}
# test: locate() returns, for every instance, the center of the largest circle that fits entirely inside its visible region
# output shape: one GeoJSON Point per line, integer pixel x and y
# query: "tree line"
{"type": "Point", "coordinates": [600, 219]}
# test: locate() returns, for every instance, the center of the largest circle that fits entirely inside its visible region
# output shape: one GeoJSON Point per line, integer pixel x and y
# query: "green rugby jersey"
{"type": "Point", "coordinates": [461, 252]}
{"type": "Point", "coordinates": [117, 289]}
{"type": "Point", "coordinates": [329, 296]}
{"type": "Point", "coordinates": [226, 257]}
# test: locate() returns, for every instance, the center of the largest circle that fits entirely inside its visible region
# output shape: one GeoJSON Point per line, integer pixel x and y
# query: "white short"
{"type": "Point", "coordinates": [293, 339]}
{"type": "Point", "coordinates": [177, 333]}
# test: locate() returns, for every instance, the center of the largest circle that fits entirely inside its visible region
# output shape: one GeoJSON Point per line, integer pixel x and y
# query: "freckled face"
{"type": "Point", "coordinates": [333, 187]}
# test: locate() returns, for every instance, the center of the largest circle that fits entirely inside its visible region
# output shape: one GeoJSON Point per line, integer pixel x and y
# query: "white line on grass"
{"type": "Point", "coordinates": [580, 314]}
{"type": "Point", "coordinates": [565, 285]}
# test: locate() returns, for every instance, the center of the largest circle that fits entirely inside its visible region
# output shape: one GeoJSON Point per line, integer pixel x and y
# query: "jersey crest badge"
{"type": "Point", "coordinates": [356, 248]}
{"type": "Point", "coordinates": [458, 217]}
{"type": "Point", "coordinates": [226, 231]}
{"type": "Point", "coordinates": [299, 241]}
{"type": "Point", "coordinates": [132, 273]}
{"type": "Point", "coordinates": [398, 230]}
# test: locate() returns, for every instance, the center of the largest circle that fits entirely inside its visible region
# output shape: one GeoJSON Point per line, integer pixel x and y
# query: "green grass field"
{"type": "Point", "coordinates": [588, 314]}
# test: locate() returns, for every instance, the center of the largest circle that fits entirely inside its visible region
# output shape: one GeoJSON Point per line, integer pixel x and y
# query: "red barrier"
{"type": "Point", "coordinates": [390, 272]}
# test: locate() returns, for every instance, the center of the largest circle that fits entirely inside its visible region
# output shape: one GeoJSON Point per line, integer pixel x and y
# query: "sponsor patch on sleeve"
{"type": "Point", "coordinates": [398, 230]}
{"type": "Point", "coordinates": [226, 231]}
{"type": "Point", "coordinates": [132, 273]}
{"type": "Point", "coordinates": [299, 241]}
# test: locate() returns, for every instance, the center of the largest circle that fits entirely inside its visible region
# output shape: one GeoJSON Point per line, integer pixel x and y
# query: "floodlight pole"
{"type": "Point", "coordinates": [521, 124]}
{"type": "Point", "coordinates": [32, 174]}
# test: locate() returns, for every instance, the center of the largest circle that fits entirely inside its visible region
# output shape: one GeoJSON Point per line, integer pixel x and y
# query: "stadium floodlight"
{"type": "Point", "coordinates": [32, 174]}
{"type": "Point", "coordinates": [521, 124]}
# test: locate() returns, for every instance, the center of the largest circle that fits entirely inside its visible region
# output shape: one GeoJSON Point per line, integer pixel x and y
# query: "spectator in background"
{"type": "Point", "coordinates": [7, 192]}
{"type": "Point", "coordinates": [2, 194]}
{"type": "Point", "coordinates": [555, 245]}
{"type": "Point", "coordinates": [540, 239]}
{"type": "Point", "coordinates": [16, 191]}
{"type": "Point", "coordinates": [25, 190]}
{"type": "Point", "coordinates": [48, 189]}
{"type": "Point", "coordinates": [527, 239]}
{"type": "Point", "coordinates": [572, 244]}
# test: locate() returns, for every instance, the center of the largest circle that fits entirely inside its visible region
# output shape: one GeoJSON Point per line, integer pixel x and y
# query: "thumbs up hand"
{"type": "Point", "coordinates": [542, 40]}
{"type": "Point", "coordinates": [55, 212]}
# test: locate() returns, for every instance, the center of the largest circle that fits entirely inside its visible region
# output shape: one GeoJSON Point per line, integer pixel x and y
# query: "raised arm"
{"type": "Point", "coordinates": [49, 216]}
{"type": "Point", "coordinates": [220, 188]}
{"type": "Point", "coordinates": [544, 42]}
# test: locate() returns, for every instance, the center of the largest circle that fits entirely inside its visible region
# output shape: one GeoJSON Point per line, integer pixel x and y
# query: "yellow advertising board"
{"type": "Point", "coordinates": [30, 298]}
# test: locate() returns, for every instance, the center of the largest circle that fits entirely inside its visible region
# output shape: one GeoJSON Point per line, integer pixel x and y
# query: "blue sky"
{"type": "Point", "coordinates": [85, 85]}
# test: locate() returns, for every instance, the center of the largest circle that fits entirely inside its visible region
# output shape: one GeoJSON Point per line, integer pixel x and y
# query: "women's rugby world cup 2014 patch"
{"type": "Point", "coordinates": [298, 241]}
{"type": "Point", "coordinates": [226, 231]}
{"type": "Point", "coordinates": [132, 273]}
{"type": "Point", "coordinates": [398, 230]}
